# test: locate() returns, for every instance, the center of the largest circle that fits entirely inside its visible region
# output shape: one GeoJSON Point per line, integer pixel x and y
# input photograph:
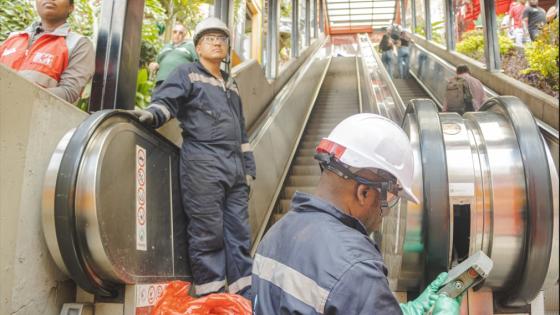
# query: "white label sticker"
{"type": "Point", "coordinates": [148, 294]}
{"type": "Point", "coordinates": [461, 189]}
{"type": "Point", "coordinates": [141, 213]}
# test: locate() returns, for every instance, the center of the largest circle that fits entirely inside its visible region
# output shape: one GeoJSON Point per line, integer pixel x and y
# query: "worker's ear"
{"type": "Point", "coordinates": [363, 193]}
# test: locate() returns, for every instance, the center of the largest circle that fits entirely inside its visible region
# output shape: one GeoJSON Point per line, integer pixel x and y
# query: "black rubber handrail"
{"type": "Point", "coordinates": [69, 242]}
{"type": "Point", "coordinates": [436, 189]}
{"type": "Point", "coordinates": [540, 213]}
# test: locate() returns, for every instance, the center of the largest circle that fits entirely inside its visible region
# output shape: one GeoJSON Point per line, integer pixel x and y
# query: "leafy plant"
{"type": "Point", "coordinates": [16, 16]}
{"type": "Point", "coordinates": [472, 45]}
{"type": "Point", "coordinates": [143, 88]}
{"type": "Point", "coordinates": [84, 18]}
{"type": "Point", "coordinates": [438, 32]}
{"type": "Point", "coordinates": [542, 54]}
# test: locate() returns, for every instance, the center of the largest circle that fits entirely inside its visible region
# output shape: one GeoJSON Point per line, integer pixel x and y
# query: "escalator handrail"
{"type": "Point", "coordinates": [385, 78]}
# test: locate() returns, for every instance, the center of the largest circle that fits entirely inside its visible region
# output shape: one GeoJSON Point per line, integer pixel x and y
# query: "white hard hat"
{"type": "Point", "coordinates": [208, 25]}
{"type": "Point", "coordinates": [370, 141]}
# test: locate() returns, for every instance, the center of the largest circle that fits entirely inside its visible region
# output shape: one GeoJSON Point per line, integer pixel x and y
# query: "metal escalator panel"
{"type": "Point", "coordinates": [112, 209]}
{"type": "Point", "coordinates": [338, 98]}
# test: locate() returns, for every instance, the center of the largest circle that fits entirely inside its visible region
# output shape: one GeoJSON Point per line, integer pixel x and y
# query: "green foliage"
{"type": "Point", "coordinates": [151, 39]}
{"type": "Point", "coordinates": [507, 46]}
{"type": "Point", "coordinates": [438, 32]}
{"type": "Point", "coordinates": [143, 88]}
{"type": "Point", "coordinates": [83, 19]}
{"type": "Point", "coordinates": [16, 16]}
{"type": "Point", "coordinates": [472, 45]}
{"type": "Point", "coordinates": [186, 12]}
{"type": "Point", "coordinates": [542, 54]}
{"type": "Point", "coordinates": [286, 9]}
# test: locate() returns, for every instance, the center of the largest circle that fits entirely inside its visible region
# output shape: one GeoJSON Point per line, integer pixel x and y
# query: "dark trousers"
{"type": "Point", "coordinates": [215, 199]}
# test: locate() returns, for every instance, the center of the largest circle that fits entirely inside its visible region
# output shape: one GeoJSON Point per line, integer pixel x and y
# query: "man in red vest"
{"type": "Point", "coordinates": [49, 54]}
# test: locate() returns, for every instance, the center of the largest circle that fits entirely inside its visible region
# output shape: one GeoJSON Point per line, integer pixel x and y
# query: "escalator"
{"type": "Point", "coordinates": [409, 89]}
{"type": "Point", "coordinates": [338, 98]}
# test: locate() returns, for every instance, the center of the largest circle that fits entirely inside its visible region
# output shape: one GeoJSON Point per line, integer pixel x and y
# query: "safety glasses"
{"type": "Point", "coordinates": [211, 39]}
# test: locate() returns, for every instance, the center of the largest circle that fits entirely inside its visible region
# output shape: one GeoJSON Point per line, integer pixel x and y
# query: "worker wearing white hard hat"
{"type": "Point", "coordinates": [216, 165]}
{"type": "Point", "coordinates": [319, 258]}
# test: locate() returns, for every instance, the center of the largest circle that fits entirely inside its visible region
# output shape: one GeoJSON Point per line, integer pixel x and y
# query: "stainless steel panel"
{"type": "Point", "coordinates": [106, 206]}
{"type": "Point", "coordinates": [47, 201]}
{"type": "Point", "coordinates": [508, 202]}
{"type": "Point", "coordinates": [413, 245]}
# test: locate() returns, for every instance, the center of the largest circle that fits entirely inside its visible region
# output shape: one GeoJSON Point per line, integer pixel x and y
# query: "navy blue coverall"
{"type": "Point", "coordinates": [319, 260]}
{"type": "Point", "coordinates": [215, 159]}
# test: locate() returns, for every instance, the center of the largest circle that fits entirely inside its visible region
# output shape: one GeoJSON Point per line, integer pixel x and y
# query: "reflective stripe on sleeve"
{"type": "Point", "coordinates": [210, 287]}
{"type": "Point", "coordinates": [240, 284]}
{"type": "Point", "coordinates": [291, 281]}
{"type": "Point", "coordinates": [246, 147]}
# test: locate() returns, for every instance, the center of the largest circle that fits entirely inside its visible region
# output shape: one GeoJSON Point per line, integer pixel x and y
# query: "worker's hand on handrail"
{"type": "Point", "coordinates": [426, 300]}
{"type": "Point", "coordinates": [145, 117]}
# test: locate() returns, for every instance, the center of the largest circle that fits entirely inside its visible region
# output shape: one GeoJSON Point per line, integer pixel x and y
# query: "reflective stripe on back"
{"type": "Point", "coordinates": [291, 281]}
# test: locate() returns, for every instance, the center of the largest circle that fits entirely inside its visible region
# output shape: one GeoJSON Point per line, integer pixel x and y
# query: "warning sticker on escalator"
{"type": "Point", "coordinates": [141, 214]}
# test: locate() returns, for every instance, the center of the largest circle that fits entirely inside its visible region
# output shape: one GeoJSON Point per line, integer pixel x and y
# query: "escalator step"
{"type": "Point", "coordinates": [306, 170]}
{"type": "Point", "coordinates": [303, 180]}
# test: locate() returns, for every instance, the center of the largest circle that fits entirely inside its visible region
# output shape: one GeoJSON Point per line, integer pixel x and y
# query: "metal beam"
{"type": "Point", "coordinates": [307, 23]}
{"type": "Point", "coordinates": [413, 16]}
{"type": "Point", "coordinates": [428, 19]}
{"type": "Point", "coordinates": [272, 40]}
{"type": "Point", "coordinates": [491, 40]}
{"type": "Point", "coordinates": [222, 10]}
{"type": "Point", "coordinates": [117, 55]}
{"type": "Point", "coordinates": [449, 25]}
{"type": "Point", "coordinates": [314, 20]}
{"type": "Point", "coordinates": [295, 28]}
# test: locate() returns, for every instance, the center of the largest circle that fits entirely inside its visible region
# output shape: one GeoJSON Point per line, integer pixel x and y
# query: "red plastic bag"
{"type": "Point", "coordinates": [175, 300]}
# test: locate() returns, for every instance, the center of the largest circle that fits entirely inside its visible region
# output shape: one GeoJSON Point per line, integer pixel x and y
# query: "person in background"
{"type": "Point", "coordinates": [515, 24]}
{"type": "Point", "coordinates": [49, 54]}
{"type": "Point", "coordinates": [403, 54]}
{"type": "Point", "coordinates": [319, 258]}
{"type": "Point", "coordinates": [181, 50]}
{"type": "Point", "coordinates": [386, 48]}
{"type": "Point", "coordinates": [217, 164]}
{"type": "Point", "coordinates": [475, 90]}
{"type": "Point", "coordinates": [534, 17]}
{"type": "Point", "coordinates": [551, 14]}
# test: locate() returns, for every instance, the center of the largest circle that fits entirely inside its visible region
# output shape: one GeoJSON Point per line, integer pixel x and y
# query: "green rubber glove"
{"type": "Point", "coordinates": [447, 306]}
{"type": "Point", "coordinates": [424, 302]}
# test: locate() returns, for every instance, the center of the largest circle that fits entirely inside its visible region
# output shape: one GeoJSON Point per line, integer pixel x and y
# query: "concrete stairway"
{"type": "Point", "coordinates": [337, 99]}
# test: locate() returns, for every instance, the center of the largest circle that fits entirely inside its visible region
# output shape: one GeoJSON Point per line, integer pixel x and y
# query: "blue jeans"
{"type": "Point", "coordinates": [403, 61]}
{"type": "Point", "coordinates": [387, 59]}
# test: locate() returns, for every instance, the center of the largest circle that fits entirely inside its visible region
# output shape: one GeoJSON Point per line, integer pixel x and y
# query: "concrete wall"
{"type": "Point", "coordinates": [542, 105]}
{"type": "Point", "coordinates": [32, 121]}
{"type": "Point", "coordinates": [256, 91]}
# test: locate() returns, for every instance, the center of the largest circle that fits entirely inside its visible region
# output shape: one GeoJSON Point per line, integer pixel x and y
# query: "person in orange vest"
{"type": "Point", "coordinates": [49, 54]}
